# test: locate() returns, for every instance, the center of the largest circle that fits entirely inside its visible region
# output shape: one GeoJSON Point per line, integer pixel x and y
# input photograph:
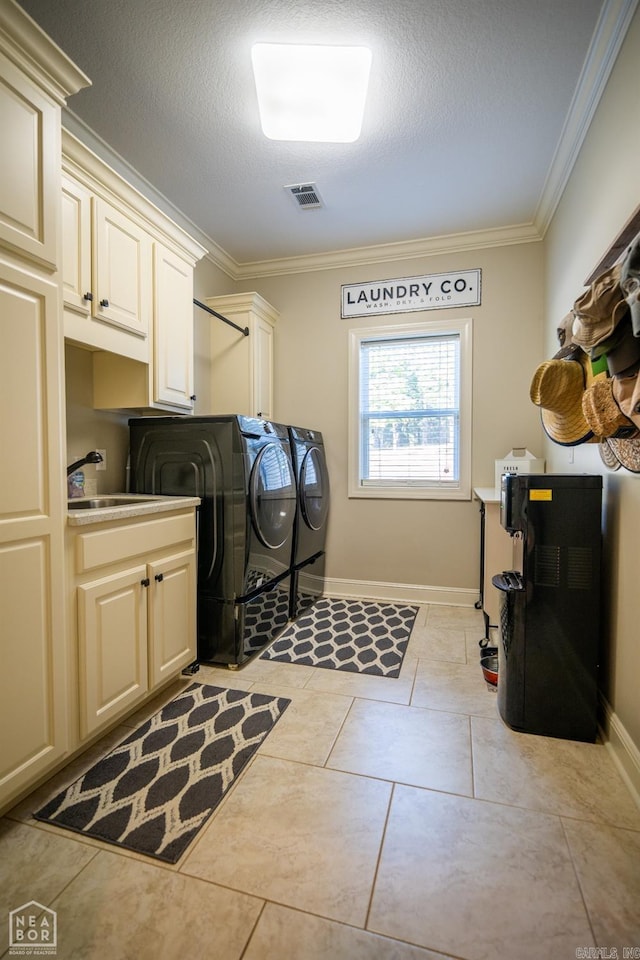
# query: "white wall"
{"type": "Point", "coordinates": [89, 429]}
{"type": "Point", "coordinates": [425, 543]}
{"type": "Point", "coordinates": [603, 191]}
{"type": "Point", "coordinates": [209, 281]}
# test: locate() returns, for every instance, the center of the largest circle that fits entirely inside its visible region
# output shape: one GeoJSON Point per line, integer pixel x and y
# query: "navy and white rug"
{"type": "Point", "coordinates": [155, 790]}
{"type": "Point", "coordinates": [358, 636]}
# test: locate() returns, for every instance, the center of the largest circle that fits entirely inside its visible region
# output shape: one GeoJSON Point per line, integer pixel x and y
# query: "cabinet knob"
{"type": "Point", "coordinates": [104, 303]}
{"type": "Point", "coordinates": [145, 582]}
{"type": "Point", "coordinates": [88, 296]}
{"type": "Point", "coordinates": [193, 398]}
{"type": "Point", "coordinates": [159, 577]}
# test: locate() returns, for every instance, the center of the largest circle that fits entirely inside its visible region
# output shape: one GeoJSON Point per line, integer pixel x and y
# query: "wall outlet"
{"type": "Point", "coordinates": [103, 465]}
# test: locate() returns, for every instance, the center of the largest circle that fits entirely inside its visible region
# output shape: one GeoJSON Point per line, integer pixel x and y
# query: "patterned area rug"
{"type": "Point", "coordinates": [158, 787]}
{"type": "Point", "coordinates": [359, 636]}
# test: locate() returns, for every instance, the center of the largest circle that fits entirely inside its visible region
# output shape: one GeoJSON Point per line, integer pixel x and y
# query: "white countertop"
{"type": "Point", "coordinates": [122, 511]}
{"type": "Point", "coordinates": [487, 494]}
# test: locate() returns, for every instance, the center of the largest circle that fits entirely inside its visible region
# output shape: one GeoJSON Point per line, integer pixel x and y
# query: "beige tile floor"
{"type": "Point", "coordinates": [380, 820]}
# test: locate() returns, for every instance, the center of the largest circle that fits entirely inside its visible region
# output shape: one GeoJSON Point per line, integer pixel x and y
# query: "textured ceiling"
{"type": "Point", "coordinates": [467, 104]}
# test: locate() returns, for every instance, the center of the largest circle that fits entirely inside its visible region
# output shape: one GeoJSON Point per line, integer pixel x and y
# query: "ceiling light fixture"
{"type": "Point", "coordinates": [311, 92]}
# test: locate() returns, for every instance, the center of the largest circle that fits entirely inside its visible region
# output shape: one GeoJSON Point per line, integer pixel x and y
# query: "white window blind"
{"type": "Point", "coordinates": [412, 425]}
{"type": "Point", "coordinates": [410, 410]}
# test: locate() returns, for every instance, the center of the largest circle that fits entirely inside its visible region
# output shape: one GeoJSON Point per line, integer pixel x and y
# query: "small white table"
{"type": "Point", "coordinates": [496, 554]}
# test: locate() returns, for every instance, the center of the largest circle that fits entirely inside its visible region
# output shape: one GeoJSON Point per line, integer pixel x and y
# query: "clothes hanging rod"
{"type": "Point", "coordinates": [243, 330]}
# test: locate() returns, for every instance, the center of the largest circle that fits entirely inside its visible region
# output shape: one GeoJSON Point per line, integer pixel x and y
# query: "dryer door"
{"type": "Point", "coordinates": [314, 489]}
{"type": "Point", "coordinates": [272, 495]}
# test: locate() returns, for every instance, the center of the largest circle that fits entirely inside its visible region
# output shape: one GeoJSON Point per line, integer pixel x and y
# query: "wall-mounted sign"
{"type": "Point", "coordinates": [434, 292]}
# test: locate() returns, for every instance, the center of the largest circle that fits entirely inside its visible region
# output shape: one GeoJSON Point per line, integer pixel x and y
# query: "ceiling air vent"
{"type": "Point", "coordinates": [306, 195]}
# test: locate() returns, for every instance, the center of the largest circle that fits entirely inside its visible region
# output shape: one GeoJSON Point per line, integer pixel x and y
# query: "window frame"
{"type": "Point", "coordinates": [412, 490]}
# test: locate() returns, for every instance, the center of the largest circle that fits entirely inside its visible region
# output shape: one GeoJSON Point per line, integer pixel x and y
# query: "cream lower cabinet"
{"type": "Point", "coordinates": [134, 593]}
{"type": "Point", "coordinates": [112, 646]}
{"type": "Point", "coordinates": [171, 609]}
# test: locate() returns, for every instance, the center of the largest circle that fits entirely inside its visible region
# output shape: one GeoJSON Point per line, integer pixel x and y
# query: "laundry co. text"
{"type": "Point", "coordinates": [412, 293]}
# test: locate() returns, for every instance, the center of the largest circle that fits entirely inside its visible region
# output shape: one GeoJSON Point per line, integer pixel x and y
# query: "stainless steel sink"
{"type": "Point", "coordinates": [98, 503]}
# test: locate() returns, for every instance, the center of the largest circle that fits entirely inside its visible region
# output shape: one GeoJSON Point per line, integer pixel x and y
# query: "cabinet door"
{"type": "Point", "coordinates": [242, 367]}
{"type": "Point", "coordinates": [172, 615]}
{"type": "Point", "coordinates": [122, 270]}
{"type": "Point", "coordinates": [29, 161]}
{"type": "Point", "coordinates": [76, 247]}
{"type": "Point", "coordinates": [33, 716]}
{"type": "Point", "coordinates": [112, 646]}
{"type": "Point", "coordinates": [263, 369]}
{"type": "Point", "coordinates": [173, 329]}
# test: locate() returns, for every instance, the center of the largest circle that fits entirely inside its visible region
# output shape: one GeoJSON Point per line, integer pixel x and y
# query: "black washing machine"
{"type": "Point", "coordinates": [241, 469]}
{"type": "Point", "coordinates": [310, 528]}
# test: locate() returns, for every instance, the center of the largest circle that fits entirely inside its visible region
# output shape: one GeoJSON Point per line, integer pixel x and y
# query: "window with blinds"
{"type": "Point", "coordinates": [410, 431]}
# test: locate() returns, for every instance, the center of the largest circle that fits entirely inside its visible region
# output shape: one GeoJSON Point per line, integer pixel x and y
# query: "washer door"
{"type": "Point", "coordinates": [314, 489]}
{"type": "Point", "coordinates": [272, 496]}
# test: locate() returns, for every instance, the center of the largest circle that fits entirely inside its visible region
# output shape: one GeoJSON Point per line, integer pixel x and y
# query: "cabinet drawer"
{"type": "Point", "coordinates": [101, 547]}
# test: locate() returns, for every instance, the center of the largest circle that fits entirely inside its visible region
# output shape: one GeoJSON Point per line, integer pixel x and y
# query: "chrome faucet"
{"type": "Point", "coordinates": [92, 457]}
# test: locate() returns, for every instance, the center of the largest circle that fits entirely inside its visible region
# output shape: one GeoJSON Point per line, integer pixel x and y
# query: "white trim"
{"type": "Point", "coordinates": [87, 142]}
{"type": "Point", "coordinates": [29, 47]}
{"type": "Point", "coordinates": [92, 172]}
{"type": "Point", "coordinates": [355, 256]}
{"type": "Point", "coordinates": [434, 326]}
{"type": "Point", "coordinates": [608, 36]}
{"type": "Point", "coordinates": [402, 592]}
{"type": "Point", "coordinates": [392, 252]}
{"type": "Point", "coordinates": [621, 748]}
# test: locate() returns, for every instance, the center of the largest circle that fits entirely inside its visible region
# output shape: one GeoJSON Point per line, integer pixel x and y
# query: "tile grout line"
{"type": "Point", "coordinates": [379, 857]}
{"type": "Point", "coordinates": [473, 769]}
{"type": "Point", "coordinates": [253, 929]}
{"type": "Point", "coordinates": [577, 876]}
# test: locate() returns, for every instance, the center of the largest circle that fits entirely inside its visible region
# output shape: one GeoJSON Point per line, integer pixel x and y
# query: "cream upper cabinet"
{"type": "Point", "coordinates": [34, 680]}
{"type": "Point", "coordinates": [30, 166]}
{"type": "Point", "coordinates": [242, 366]}
{"type": "Point", "coordinates": [122, 270]}
{"type": "Point", "coordinates": [173, 330]}
{"type": "Point", "coordinates": [128, 287]}
{"type": "Point", "coordinates": [106, 270]}
{"type": "Point", "coordinates": [107, 275]}
{"type": "Point", "coordinates": [77, 287]}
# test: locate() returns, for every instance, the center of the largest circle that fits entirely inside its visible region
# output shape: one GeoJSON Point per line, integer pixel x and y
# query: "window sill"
{"type": "Point", "coordinates": [408, 493]}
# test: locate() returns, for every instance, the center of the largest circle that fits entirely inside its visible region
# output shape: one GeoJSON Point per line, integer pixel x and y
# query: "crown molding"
{"type": "Point", "coordinates": [611, 29]}
{"type": "Point", "coordinates": [98, 177]}
{"type": "Point", "coordinates": [389, 252]}
{"type": "Point", "coordinates": [356, 256]}
{"type": "Point", "coordinates": [86, 137]}
{"type": "Point", "coordinates": [34, 52]}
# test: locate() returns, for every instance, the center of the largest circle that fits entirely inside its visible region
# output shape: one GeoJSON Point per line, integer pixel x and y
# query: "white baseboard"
{"type": "Point", "coordinates": [623, 751]}
{"type": "Point", "coordinates": [402, 592]}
